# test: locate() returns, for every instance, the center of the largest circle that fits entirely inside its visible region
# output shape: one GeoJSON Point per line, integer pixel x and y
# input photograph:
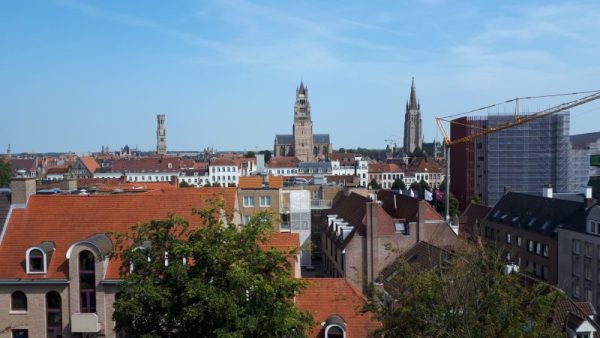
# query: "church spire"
{"type": "Point", "coordinates": [413, 96]}
{"type": "Point", "coordinates": [302, 89]}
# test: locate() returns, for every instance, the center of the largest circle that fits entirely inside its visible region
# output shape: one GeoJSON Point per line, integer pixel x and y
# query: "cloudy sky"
{"type": "Point", "coordinates": [75, 75]}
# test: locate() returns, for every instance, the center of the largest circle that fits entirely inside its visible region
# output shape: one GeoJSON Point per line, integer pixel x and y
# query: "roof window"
{"type": "Point", "coordinates": [37, 258]}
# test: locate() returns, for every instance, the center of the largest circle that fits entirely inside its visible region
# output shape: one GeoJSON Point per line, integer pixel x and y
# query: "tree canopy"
{"type": "Point", "coordinates": [213, 281]}
{"type": "Point", "coordinates": [4, 173]}
{"type": "Point", "coordinates": [398, 184]}
{"type": "Point", "coordinates": [464, 296]}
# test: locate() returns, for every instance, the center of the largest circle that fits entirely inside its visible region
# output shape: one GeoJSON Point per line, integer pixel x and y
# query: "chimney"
{"type": "Point", "coordinates": [547, 191]}
{"type": "Point", "coordinates": [265, 181]}
{"type": "Point", "coordinates": [21, 187]}
{"type": "Point", "coordinates": [69, 183]}
{"type": "Point", "coordinates": [588, 192]}
{"type": "Point", "coordinates": [589, 200]}
{"type": "Point", "coordinates": [507, 189]}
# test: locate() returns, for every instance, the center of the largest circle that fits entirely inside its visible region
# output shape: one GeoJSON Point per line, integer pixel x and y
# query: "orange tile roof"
{"type": "Point", "coordinates": [335, 296]}
{"type": "Point", "coordinates": [90, 163]}
{"type": "Point", "coordinates": [283, 162]}
{"type": "Point", "coordinates": [223, 161]}
{"type": "Point", "coordinates": [250, 182]}
{"type": "Point", "coordinates": [66, 219]}
{"type": "Point", "coordinates": [255, 182]}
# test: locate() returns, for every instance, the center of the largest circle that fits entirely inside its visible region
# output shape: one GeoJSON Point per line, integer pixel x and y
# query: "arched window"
{"type": "Point", "coordinates": [18, 301]}
{"type": "Point", "coordinates": [87, 282]}
{"type": "Point", "coordinates": [53, 314]}
{"type": "Point", "coordinates": [35, 261]}
{"type": "Point", "coordinates": [334, 331]}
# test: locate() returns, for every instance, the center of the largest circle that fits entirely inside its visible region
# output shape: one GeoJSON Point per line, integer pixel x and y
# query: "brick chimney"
{"type": "Point", "coordinates": [22, 187]}
{"type": "Point", "coordinates": [69, 183]}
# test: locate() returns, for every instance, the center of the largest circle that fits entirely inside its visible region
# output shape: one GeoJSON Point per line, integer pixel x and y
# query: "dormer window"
{"type": "Point", "coordinates": [335, 327]}
{"type": "Point", "coordinates": [593, 227]}
{"type": "Point", "coordinates": [37, 258]}
{"type": "Point", "coordinates": [36, 261]}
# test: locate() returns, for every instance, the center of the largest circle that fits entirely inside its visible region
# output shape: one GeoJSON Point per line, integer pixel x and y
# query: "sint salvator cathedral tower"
{"type": "Point", "coordinates": [303, 144]}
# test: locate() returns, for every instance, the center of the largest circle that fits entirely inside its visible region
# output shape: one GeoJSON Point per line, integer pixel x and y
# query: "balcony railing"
{"type": "Point", "coordinates": [285, 227]}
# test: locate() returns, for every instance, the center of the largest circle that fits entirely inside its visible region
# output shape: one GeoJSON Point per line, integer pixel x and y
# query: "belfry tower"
{"type": "Point", "coordinates": [303, 131]}
{"type": "Point", "coordinates": [161, 135]}
{"type": "Point", "coordinates": [413, 132]}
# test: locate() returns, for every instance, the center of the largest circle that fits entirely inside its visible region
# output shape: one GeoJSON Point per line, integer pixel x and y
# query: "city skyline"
{"type": "Point", "coordinates": [80, 75]}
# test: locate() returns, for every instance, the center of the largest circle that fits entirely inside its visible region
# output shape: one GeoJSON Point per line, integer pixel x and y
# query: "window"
{"type": "Point", "coordinates": [20, 333]}
{"type": "Point", "coordinates": [519, 240]}
{"type": "Point", "coordinates": [87, 282]}
{"type": "Point", "coordinates": [546, 250]}
{"type": "Point", "coordinates": [53, 314]}
{"type": "Point", "coordinates": [246, 219]}
{"type": "Point", "coordinates": [265, 201]}
{"type": "Point", "coordinates": [576, 246]}
{"type": "Point", "coordinates": [508, 237]}
{"type": "Point", "coordinates": [587, 272]}
{"type": "Point", "coordinates": [592, 227]}
{"type": "Point", "coordinates": [35, 261]}
{"type": "Point", "coordinates": [538, 248]}
{"type": "Point", "coordinates": [248, 201]}
{"type": "Point", "coordinates": [589, 249]}
{"type": "Point", "coordinates": [401, 228]}
{"type": "Point", "coordinates": [575, 265]}
{"type": "Point", "coordinates": [575, 290]}
{"type": "Point", "coordinates": [18, 302]}
{"type": "Point", "coordinates": [530, 246]}
{"type": "Point", "coordinates": [334, 331]}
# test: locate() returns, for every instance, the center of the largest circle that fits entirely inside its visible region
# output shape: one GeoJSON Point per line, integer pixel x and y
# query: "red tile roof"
{"type": "Point", "coordinates": [57, 170]}
{"type": "Point", "coordinates": [146, 164]}
{"type": "Point", "coordinates": [255, 182]}
{"type": "Point", "coordinates": [223, 161]}
{"type": "Point", "coordinates": [90, 163]}
{"type": "Point", "coordinates": [66, 219]}
{"type": "Point", "coordinates": [325, 297]}
{"type": "Point", "coordinates": [283, 162]}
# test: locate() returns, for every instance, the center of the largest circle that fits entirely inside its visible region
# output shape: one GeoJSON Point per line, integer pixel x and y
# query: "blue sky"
{"type": "Point", "coordinates": [75, 75]}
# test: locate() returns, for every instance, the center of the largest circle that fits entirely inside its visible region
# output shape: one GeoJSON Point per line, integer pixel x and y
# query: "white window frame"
{"type": "Point", "coordinates": [44, 264]}
{"type": "Point", "coordinates": [265, 197]}
{"type": "Point", "coordinates": [248, 198]}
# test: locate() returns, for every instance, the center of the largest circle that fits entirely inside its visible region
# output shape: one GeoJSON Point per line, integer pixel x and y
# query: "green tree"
{"type": "Point", "coordinates": [467, 296]}
{"type": "Point", "coordinates": [267, 154]}
{"type": "Point", "coordinates": [184, 184]}
{"type": "Point", "coordinates": [249, 154]}
{"type": "Point", "coordinates": [398, 184]}
{"type": "Point", "coordinates": [218, 282]}
{"type": "Point", "coordinates": [4, 173]}
{"type": "Point", "coordinates": [424, 186]}
{"type": "Point", "coordinates": [373, 185]}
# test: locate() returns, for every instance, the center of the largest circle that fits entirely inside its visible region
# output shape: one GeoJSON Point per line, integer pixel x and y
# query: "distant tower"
{"type": "Point", "coordinates": [413, 132]}
{"type": "Point", "coordinates": [303, 131]}
{"type": "Point", "coordinates": [8, 154]}
{"type": "Point", "coordinates": [161, 135]}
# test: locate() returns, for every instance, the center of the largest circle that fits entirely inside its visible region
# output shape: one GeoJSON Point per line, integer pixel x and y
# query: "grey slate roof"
{"type": "Point", "coordinates": [321, 139]}
{"type": "Point", "coordinates": [536, 213]}
{"type": "Point", "coordinates": [584, 139]}
{"type": "Point", "coordinates": [284, 139]}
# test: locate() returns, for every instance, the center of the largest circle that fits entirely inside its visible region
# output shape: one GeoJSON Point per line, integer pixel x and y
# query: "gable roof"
{"type": "Point", "coordinates": [145, 165]}
{"type": "Point", "coordinates": [321, 139]}
{"type": "Point", "coordinates": [66, 219]}
{"type": "Point", "coordinates": [284, 139]}
{"type": "Point", "coordinates": [467, 225]}
{"type": "Point", "coordinates": [406, 207]}
{"type": "Point", "coordinates": [283, 162]}
{"type": "Point", "coordinates": [90, 163]}
{"type": "Point", "coordinates": [324, 297]}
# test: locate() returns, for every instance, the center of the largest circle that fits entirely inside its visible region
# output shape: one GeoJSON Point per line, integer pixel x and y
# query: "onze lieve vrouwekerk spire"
{"type": "Point", "coordinates": [413, 126]}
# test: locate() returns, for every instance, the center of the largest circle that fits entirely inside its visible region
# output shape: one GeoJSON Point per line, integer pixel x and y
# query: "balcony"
{"type": "Point", "coordinates": [85, 323]}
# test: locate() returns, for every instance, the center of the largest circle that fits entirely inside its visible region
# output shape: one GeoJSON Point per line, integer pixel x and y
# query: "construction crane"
{"type": "Point", "coordinates": [518, 120]}
{"type": "Point", "coordinates": [392, 142]}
